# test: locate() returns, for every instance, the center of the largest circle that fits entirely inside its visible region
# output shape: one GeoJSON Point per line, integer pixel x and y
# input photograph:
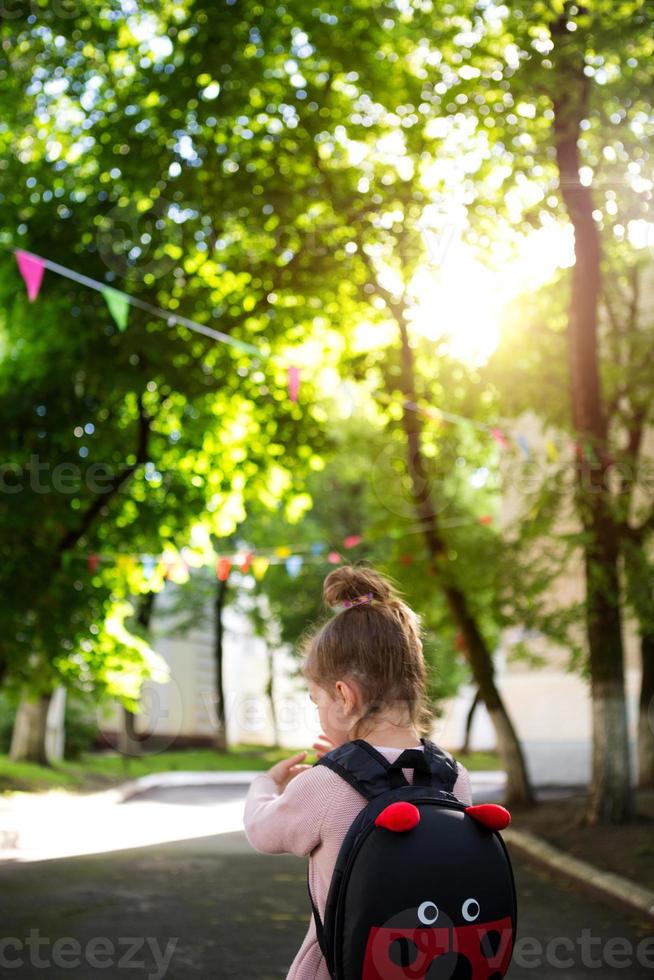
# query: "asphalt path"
{"type": "Point", "coordinates": [211, 907]}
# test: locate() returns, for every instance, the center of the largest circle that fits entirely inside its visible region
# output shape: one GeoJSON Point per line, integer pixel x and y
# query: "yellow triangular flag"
{"type": "Point", "coordinates": [259, 567]}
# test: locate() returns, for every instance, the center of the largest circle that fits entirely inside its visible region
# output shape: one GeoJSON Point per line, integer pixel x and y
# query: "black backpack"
{"type": "Point", "coordinates": [423, 887]}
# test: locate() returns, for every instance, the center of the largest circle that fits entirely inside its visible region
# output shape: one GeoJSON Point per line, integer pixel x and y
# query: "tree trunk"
{"type": "Point", "coordinates": [518, 790]}
{"type": "Point", "coordinates": [639, 574]}
{"type": "Point", "coordinates": [465, 748]}
{"type": "Point", "coordinates": [640, 589]}
{"type": "Point", "coordinates": [611, 797]}
{"type": "Point", "coordinates": [28, 743]}
{"type": "Point", "coordinates": [220, 736]}
{"type": "Point", "coordinates": [128, 740]}
{"type": "Point", "coordinates": [646, 714]}
{"type": "Point", "coordinates": [129, 743]}
{"type": "Point", "coordinates": [270, 694]}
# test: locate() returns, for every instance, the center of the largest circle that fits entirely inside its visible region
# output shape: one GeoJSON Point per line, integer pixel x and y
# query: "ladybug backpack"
{"type": "Point", "coordinates": [423, 887]}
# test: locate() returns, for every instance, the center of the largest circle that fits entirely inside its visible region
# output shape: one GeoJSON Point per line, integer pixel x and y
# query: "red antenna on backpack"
{"type": "Point", "coordinates": [400, 816]}
{"type": "Point", "coordinates": [490, 815]}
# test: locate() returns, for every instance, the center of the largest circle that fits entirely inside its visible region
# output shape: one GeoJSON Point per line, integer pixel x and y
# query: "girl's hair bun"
{"type": "Point", "coordinates": [376, 643]}
{"type": "Point", "coordinates": [349, 582]}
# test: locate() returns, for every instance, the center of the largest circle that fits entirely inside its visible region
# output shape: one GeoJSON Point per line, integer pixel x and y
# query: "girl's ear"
{"type": "Point", "coordinates": [342, 694]}
{"type": "Point", "coordinates": [346, 695]}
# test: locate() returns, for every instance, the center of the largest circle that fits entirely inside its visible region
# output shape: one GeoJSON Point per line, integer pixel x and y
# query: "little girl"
{"type": "Point", "coordinates": [366, 672]}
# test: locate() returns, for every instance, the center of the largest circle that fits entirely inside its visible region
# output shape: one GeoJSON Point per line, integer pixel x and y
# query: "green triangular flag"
{"type": "Point", "coordinates": [591, 455]}
{"type": "Point", "coordinates": [118, 304]}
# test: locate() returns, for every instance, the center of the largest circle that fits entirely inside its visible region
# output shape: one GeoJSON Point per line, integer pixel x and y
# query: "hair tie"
{"type": "Point", "coordinates": [358, 601]}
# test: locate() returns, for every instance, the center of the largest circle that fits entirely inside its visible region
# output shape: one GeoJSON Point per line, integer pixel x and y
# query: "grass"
{"type": "Point", "coordinates": [479, 761]}
{"type": "Point", "coordinates": [100, 770]}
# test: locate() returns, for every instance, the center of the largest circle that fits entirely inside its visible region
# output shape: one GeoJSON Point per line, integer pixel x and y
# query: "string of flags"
{"type": "Point", "coordinates": [505, 439]}
{"type": "Point", "coordinates": [32, 269]}
{"type": "Point", "coordinates": [176, 567]}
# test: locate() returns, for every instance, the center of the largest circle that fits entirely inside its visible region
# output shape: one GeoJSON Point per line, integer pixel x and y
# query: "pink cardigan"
{"type": "Point", "coordinates": [311, 817]}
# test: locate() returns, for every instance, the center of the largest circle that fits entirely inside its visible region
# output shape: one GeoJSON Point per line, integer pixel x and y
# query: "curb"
{"type": "Point", "coordinates": [156, 780]}
{"type": "Point", "coordinates": [482, 781]}
{"type": "Point", "coordinates": [621, 889]}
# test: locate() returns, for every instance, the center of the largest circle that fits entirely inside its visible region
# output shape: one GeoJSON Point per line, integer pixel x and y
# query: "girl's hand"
{"type": "Point", "coordinates": [282, 772]}
{"type": "Point", "coordinates": [323, 745]}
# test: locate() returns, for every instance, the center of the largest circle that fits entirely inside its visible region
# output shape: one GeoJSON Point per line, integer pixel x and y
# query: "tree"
{"type": "Point", "coordinates": [627, 338]}
{"type": "Point", "coordinates": [542, 86]}
{"type": "Point", "coordinates": [572, 57]}
{"type": "Point", "coordinates": [164, 414]}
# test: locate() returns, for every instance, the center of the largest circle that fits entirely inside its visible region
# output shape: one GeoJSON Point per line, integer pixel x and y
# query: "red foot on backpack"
{"type": "Point", "coordinates": [399, 816]}
{"type": "Point", "coordinates": [491, 815]}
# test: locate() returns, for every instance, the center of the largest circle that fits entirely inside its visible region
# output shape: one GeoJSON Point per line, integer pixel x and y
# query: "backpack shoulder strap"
{"type": "Point", "coordinates": [442, 765]}
{"type": "Point", "coordinates": [360, 765]}
{"type": "Point", "coordinates": [370, 773]}
{"type": "Point", "coordinates": [366, 769]}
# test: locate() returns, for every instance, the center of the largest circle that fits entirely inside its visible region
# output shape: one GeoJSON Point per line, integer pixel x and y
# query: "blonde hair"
{"type": "Point", "coordinates": [377, 643]}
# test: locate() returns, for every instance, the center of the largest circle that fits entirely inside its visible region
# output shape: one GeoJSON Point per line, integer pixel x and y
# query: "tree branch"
{"type": "Point", "coordinates": [73, 536]}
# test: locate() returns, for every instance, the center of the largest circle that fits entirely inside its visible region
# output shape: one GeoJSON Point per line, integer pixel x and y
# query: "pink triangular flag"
{"type": "Point", "coordinates": [499, 438]}
{"type": "Point", "coordinates": [293, 382]}
{"type": "Point", "coordinates": [31, 268]}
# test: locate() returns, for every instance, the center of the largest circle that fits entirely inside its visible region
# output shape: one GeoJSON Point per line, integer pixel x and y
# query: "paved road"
{"type": "Point", "coordinates": [212, 908]}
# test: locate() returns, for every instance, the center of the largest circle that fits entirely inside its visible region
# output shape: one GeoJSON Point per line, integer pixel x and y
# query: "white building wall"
{"type": "Point", "coordinates": [184, 707]}
{"type": "Point", "coordinates": [551, 711]}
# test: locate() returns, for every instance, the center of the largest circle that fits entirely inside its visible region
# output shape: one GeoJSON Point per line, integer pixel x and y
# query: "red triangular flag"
{"type": "Point", "coordinates": [293, 382]}
{"type": "Point", "coordinates": [31, 268]}
{"type": "Point", "coordinates": [223, 566]}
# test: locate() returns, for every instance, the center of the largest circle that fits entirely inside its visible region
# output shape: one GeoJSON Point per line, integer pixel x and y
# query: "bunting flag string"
{"type": "Point", "coordinates": [176, 568]}
{"type": "Point", "coordinates": [500, 434]}
{"type": "Point", "coordinates": [32, 268]}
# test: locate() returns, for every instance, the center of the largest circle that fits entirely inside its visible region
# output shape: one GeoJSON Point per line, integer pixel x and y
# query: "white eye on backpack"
{"type": "Point", "coordinates": [428, 913]}
{"type": "Point", "coordinates": [470, 909]}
